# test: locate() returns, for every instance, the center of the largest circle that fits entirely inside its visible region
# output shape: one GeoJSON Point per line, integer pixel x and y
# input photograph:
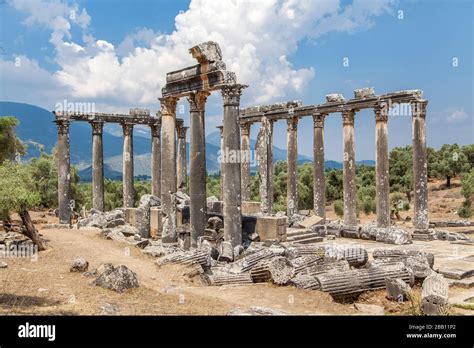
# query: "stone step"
{"type": "Point", "coordinates": [309, 239]}
{"type": "Point", "coordinates": [292, 233]}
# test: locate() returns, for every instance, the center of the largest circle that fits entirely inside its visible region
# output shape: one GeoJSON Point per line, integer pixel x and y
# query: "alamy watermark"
{"type": "Point", "coordinates": [75, 107]}
{"type": "Point", "coordinates": [26, 251]}
{"type": "Point", "coordinates": [237, 156]}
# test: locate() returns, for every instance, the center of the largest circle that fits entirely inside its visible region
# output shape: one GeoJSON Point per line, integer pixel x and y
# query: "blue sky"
{"type": "Point", "coordinates": [116, 53]}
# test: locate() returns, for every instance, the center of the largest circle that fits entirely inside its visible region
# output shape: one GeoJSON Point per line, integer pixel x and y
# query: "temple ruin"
{"type": "Point", "coordinates": [168, 155]}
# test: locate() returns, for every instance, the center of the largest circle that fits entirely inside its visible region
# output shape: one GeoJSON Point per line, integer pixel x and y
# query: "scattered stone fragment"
{"type": "Point", "coordinates": [397, 289]}
{"type": "Point", "coordinates": [277, 269]}
{"type": "Point", "coordinates": [419, 265]}
{"type": "Point", "coordinates": [118, 279]}
{"type": "Point", "coordinates": [79, 265]}
{"type": "Point", "coordinates": [369, 309]}
{"type": "Point", "coordinates": [226, 252]}
{"type": "Point", "coordinates": [230, 279]}
{"type": "Point", "coordinates": [434, 294]}
{"type": "Point", "coordinates": [215, 223]}
{"type": "Point", "coordinates": [256, 311]}
{"type": "Point", "coordinates": [456, 273]}
{"type": "Point", "coordinates": [3, 264]}
{"type": "Point", "coordinates": [308, 222]}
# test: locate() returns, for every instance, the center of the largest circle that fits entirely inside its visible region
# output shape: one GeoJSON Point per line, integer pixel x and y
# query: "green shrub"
{"type": "Point", "coordinates": [339, 208]}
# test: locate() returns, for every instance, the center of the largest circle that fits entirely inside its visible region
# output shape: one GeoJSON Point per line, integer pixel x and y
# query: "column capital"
{"type": "Point", "coordinates": [197, 101]}
{"type": "Point", "coordinates": [418, 108]}
{"type": "Point", "coordinates": [63, 126]}
{"type": "Point", "coordinates": [168, 106]}
{"type": "Point", "coordinates": [348, 117]}
{"type": "Point", "coordinates": [245, 128]}
{"type": "Point", "coordinates": [155, 129]}
{"type": "Point", "coordinates": [127, 129]}
{"type": "Point", "coordinates": [97, 127]}
{"type": "Point", "coordinates": [182, 132]}
{"type": "Point", "coordinates": [318, 120]}
{"type": "Point", "coordinates": [292, 123]}
{"type": "Point", "coordinates": [232, 93]}
{"type": "Point", "coordinates": [381, 112]}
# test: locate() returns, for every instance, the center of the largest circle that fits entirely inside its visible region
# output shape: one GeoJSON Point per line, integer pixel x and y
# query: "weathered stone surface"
{"type": "Point", "coordinates": [79, 265]}
{"type": "Point", "coordinates": [14, 238]}
{"type": "Point", "coordinates": [397, 289]}
{"type": "Point", "coordinates": [215, 223]}
{"type": "Point", "coordinates": [335, 98]}
{"type": "Point", "coordinates": [118, 279]}
{"type": "Point", "coordinates": [366, 92]}
{"type": "Point", "coordinates": [3, 264]}
{"type": "Point", "coordinates": [115, 223]}
{"type": "Point", "coordinates": [310, 221]}
{"type": "Point", "coordinates": [150, 201]}
{"type": "Point", "coordinates": [455, 273]}
{"type": "Point", "coordinates": [401, 254]}
{"type": "Point", "coordinates": [250, 207]}
{"type": "Point", "coordinates": [419, 266]}
{"type": "Point", "coordinates": [369, 309]}
{"type": "Point", "coordinates": [389, 235]}
{"type": "Point", "coordinates": [271, 228]}
{"type": "Point", "coordinates": [256, 311]}
{"type": "Point", "coordinates": [277, 269]}
{"type": "Point", "coordinates": [320, 230]}
{"type": "Point", "coordinates": [226, 252]}
{"type": "Point", "coordinates": [155, 222]}
{"type": "Point", "coordinates": [434, 294]}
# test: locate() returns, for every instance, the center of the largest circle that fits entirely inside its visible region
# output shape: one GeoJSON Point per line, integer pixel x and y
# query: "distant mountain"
{"type": "Point", "coordinates": [37, 127]}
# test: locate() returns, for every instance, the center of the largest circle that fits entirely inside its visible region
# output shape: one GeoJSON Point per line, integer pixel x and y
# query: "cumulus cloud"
{"type": "Point", "coordinates": [457, 115]}
{"type": "Point", "coordinates": [256, 38]}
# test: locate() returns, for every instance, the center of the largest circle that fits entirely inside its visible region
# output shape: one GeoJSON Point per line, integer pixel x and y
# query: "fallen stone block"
{"type": "Point", "coordinates": [79, 265]}
{"type": "Point", "coordinates": [271, 228]}
{"type": "Point", "coordinates": [434, 294]}
{"type": "Point", "coordinates": [250, 207]}
{"type": "Point", "coordinates": [310, 221]}
{"type": "Point", "coordinates": [226, 252]}
{"type": "Point", "coordinates": [277, 269]}
{"type": "Point", "coordinates": [3, 264]}
{"type": "Point", "coordinates": [455, 273]}
{"type": "Point", "coordinates": [397, 289]}
{"type": "Point", "coordinates": [118, 279]}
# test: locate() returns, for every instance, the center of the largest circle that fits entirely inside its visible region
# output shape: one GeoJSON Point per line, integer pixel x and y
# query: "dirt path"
{"type": "Point", "coordinates": [46, 286]}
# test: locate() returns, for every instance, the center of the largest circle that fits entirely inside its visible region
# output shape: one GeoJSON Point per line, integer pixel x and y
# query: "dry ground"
{"type": "Point", "coordinates": [46, 286]}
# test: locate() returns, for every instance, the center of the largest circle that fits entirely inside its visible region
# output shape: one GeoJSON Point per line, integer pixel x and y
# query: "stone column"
{"type": "Point", "coordinates": [64, 173]}
{"type": "Point", "coordinates": [245, 167]}
{"type": "Point", "coordinates": [168, 169]}
{"type": "Point", "coordinates": [420, 166]}
{"type": "Point", "coordinates": [97, 166]}
{"type": "Point", "coordinates": [221, 131]}
{"type": "Point", "coordinates": [128, 189]}
{"type": "Point", "coordinates": [232, 169]}
{"type": "Point", "coordinates": [197, 166]}
{"type": "Point", "coordinates": [292, 160]}
{"type": "Point", "coordinates": [319, 183]}
{"type": "Point", "coordinates": [156, 159]}
{"type": "Point", "coordinates": [382, 182]}
{"type": "Point", "coordinates": [349, 170]}
{"type": "Point", "coordinates": [181, 162]}
{"type": "Point", "coordinates": [264, 149]}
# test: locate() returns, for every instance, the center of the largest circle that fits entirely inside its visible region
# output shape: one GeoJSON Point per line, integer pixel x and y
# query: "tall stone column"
{"type": "Point", "coordinates": [245, 166]}
{"type": "Point", "coordinates": [97, 166]}
{"type": "Point", "coordinates": [349, 170]}
{"type": "Point", "coordinates": [197, 166]}
{"type": "Point", "coordinates": [292, 160]}
{"type": "Point", "coordinates": [128, 189]}
{"type": "Point", "coordinates": [181, 162]}
{"type": "Point", "coordinates": [232, 190]}
{"type": "Point", "coordinates": [221, 131]}
{"type": "Point", "coordinates": [420, 166]}
{"type": "Point", "coordinates": [156, 159]}
{"type": "Point", "coordinates": [168, 168]}
{"type": "Point", "coordinates": [319, 183]}
{"type": "Point", "coordinates": [264, 149]}
{"type": "Point", "coordinates": [64, 173]}
{"type": "Point", "coordinates": [382, 180]}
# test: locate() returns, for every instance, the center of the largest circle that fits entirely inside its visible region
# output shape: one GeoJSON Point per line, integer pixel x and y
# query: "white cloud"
{"type": "Point", "coordinates": [256, 38]}
{"type": "Point", "coordinates": [457, 115]}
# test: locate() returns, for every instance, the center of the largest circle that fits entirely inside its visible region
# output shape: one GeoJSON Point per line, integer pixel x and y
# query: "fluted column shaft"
{"type": "Point", "coordinates": [319, 183]}
{"type": "Point", "coordinates": [349, 170]}
{"type": "Point", "coordinates": [128, 189]}
{"type": "Point", "coordinates": [197, 166]}
{"type": "Point", "coordinates": [232, 169]}
{"type": "Point", "coordinates": [420, 166]}
{"type": "Point", "coordinates": [181, 162]}
{"type": "Point", "coordinates": [221, 132]}
{"type": "Point", "coordinates": [382, 180]}
{"type": "Point", "coordinates": [64, 172]}
{"type": "Point", "coordinates": [292, 160]}
{"type": "Point", "coordinates": [97, 166]}
{"type": "Point", "coordinates": [168, 169]}
{"type": "Point", "coordinates": [245, 167]}
{"type": "Point", "coordinates": [156, 159]}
